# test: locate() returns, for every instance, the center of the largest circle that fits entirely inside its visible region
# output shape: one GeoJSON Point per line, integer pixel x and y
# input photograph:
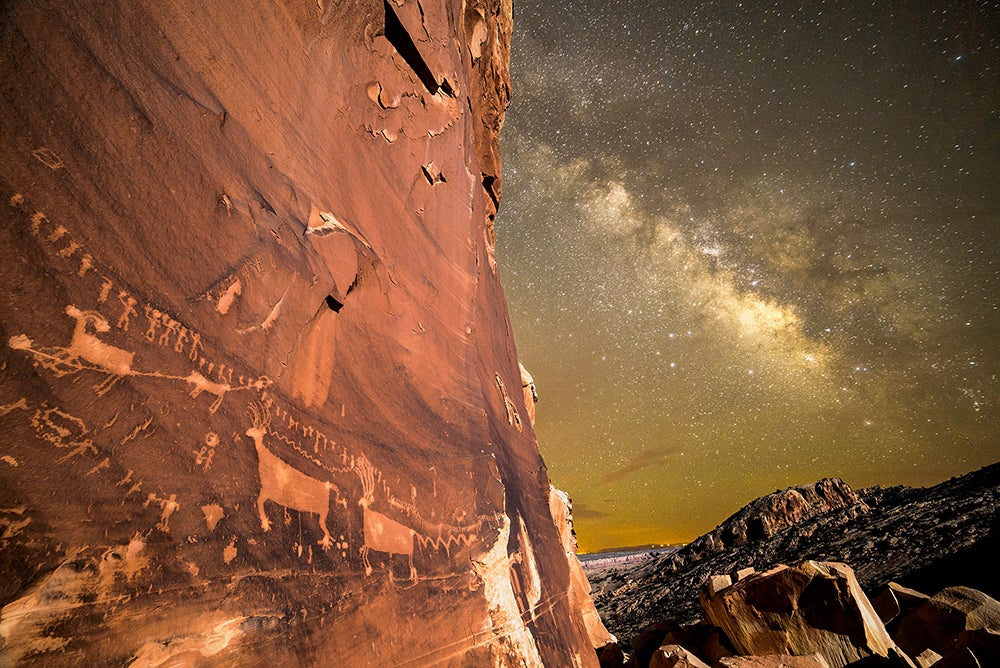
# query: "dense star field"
{"type": "Point", "coordinates": [752, 245]}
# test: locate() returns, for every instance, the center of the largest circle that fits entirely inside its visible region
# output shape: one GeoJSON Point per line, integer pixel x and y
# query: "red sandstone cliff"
{"type": "Point", "coordinates": [258, 389]}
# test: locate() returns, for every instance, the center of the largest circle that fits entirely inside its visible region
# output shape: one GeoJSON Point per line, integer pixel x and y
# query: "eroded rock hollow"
{"type": "Point", "coordinates": [259, 396]}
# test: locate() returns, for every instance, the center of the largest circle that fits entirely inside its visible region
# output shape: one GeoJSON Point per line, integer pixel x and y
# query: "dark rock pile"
{"type": "Point", "coordinates": [815, 615]}
{"type": "Point", "coordinates": [927, 539]}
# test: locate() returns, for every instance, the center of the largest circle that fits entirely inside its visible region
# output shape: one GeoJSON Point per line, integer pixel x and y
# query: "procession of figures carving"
{"type": "Point", "coordinates": [90, 352]}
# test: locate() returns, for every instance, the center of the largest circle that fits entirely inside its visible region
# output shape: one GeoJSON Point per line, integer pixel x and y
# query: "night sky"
{"type": "Point", "coordinates": [751, 245]}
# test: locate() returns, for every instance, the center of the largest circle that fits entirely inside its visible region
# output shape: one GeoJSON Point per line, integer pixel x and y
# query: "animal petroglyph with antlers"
{"type": "Point", "coordinates": [285, 485]}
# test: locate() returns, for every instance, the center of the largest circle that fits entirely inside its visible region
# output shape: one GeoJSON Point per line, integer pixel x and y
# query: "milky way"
{"type": "Point", "coordinates": [752, 245]}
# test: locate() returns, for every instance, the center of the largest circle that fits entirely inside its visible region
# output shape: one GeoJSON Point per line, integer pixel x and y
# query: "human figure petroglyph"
{"type": "Point", "coordinates": [128, 310]}
{"type": "Point", "coordinates": [182, 335]}
{"type": "Point", "coordinates": [168, 506]}
{"type": "Point", "coordinates": [196, 347]}
{"type": "Point", "coordinates": [203, 457]}
{"type": "Point", "coordinates": [86, 260]}
{"type": "Point", "coordinates": [153, 320]}
{"type": "Point", "coordinates": [285, 485]}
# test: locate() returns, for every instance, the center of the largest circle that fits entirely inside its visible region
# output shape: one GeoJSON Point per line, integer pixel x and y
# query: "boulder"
{"type": "Point", "coordinates": [895, 599]}
{"type": "Point", "coordinates": [895, 659]}
{"type": "Point", "coordinates": [611, 656]}
{"type": "Point", "coordinates": [649, 640]}
{"type": "Point", "coordinates": [927, 658]}
{"type": "Point", "coordinates": [675, 656]}
{"type": "Point", "coordinates": [706, 641]}
{"type": "Point", "coordinates": [937, 623]}
{"type": "Point", "coordinates": [814, 607]}
{"type": "Point", "coordinates": [984, 643]}
{"type": "Point", "coordinates": [960, 658]}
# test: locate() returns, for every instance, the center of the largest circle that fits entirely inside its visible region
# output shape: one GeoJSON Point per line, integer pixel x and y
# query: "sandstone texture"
{"type": "Point", "coordinates": [258, 389]}
{"type": "Point", "coordinates": [812, 608]}
{"type": "Point", "coordinates": [925, 539]}
{"type": "Point", "coordinates": [774, 661]}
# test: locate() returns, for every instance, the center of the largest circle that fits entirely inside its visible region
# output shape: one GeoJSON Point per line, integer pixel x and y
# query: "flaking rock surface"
{"type": "Point", "coordinates": [259, 398]}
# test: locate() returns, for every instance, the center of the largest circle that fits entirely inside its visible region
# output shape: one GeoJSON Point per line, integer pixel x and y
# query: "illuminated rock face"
{"type": "Point", "coordinates": [814, 607]}
{"type": "Point", "coordinates": [257, 380]}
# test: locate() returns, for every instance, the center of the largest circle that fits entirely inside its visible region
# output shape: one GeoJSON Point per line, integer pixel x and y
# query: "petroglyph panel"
{"type": "Point", "coordinates": [156, 199]}
{"type": "Point", "coordinates": [90, 349]}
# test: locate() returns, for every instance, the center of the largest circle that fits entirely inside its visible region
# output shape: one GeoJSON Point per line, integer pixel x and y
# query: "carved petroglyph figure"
{"type": "Point", "coordinates": [203, 457]}
{"type": "Point", "coordinates": [286, 485]}
{"type": "Point", "coordinates": [85, 351]}
{"type": "Point", "coordinates": [21, 403]}
{"type": "Point", "coordinates": [88, 352]}
{"type": "Point", "coordinates": [86, 346]}
{"type": "Point", "coordinates": [381, 533]}
{"type": "Point", "coordinates": [48, 157]}
{"type": "Point", "coordinates": [62, 430]}
{"type": "Point", "coordinates": [168, 506]}
{"type": "Point", "coordinates": [201, 384]}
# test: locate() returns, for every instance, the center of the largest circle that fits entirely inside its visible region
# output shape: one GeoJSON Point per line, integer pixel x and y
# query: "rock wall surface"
{"type": "Point", "coordinates": [258, 388]}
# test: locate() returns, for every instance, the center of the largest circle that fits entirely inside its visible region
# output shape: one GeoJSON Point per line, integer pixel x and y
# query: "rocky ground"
{"type": "Point", "coordinates": [924, 538]}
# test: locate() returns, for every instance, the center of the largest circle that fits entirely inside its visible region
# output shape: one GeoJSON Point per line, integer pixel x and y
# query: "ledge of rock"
{"type": "Point", "coordinates": [258, 387]}
{"type": "Point", "coordinates": [814, 607]}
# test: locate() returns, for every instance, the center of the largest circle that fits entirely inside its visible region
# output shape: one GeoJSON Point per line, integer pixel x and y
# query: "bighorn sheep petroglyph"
{"type": "Point", "coordinates": [286, 485]}
{"type": "Point", "coordinates": [86, 346]}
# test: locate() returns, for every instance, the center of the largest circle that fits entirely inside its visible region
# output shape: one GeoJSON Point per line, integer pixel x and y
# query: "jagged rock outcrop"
{"type": "Point", "coordinates": [765, 516]}
{"type": "Point", "coordinates": [810, 608]}
{"type": "Point", "coordinates": [926, 539]}
{"type": "Point", "coordinates": [258, 388]}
